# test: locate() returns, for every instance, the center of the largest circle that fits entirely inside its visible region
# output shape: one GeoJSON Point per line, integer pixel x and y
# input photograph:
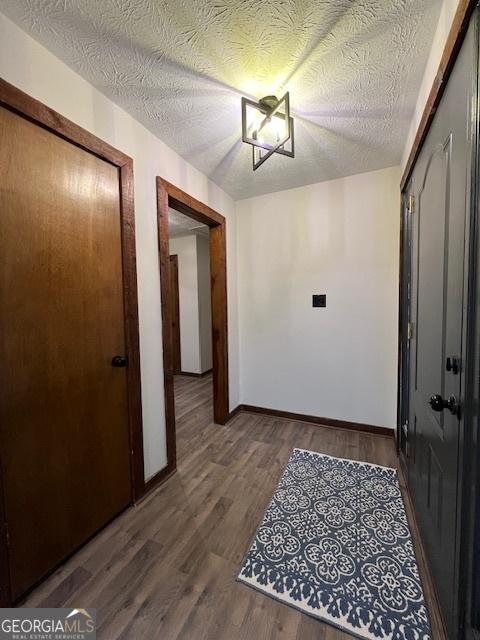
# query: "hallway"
{"type": "Point", "coordinates": [241, 332]}
{"type": "Point", "coordinates": [166, 568]}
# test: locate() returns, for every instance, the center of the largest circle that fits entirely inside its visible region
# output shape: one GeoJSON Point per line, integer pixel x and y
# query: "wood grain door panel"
{"type": "Point", "coordinates": [63, 408]}
{"type": "Point", "coordinates": [175, 305]}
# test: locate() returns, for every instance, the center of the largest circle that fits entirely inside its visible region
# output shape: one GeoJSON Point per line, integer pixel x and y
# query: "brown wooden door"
{"type": "Point", "coordinates": [63, 407]}
{"type": "Point", "coordinates": [174, 292]}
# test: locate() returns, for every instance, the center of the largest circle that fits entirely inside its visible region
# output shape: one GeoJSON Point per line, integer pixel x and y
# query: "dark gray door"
{"type": "Point", "coordinates": [439, 188]}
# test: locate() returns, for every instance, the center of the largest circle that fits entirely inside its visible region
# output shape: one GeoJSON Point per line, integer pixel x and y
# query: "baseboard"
{"type": "Point", "coordinates": [238, 409]}
{"type": "Point", "coordinates": [195, 375]}
{"type": "Point", "coordinates": [324, 422]}
{"type": "Point", "coordinates": [156, 480]}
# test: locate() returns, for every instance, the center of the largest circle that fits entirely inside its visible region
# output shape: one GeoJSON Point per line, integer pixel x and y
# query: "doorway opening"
{"type": "Point", "coordinates": [191, 327]}
{"type": "Point", "coordinates": [187, 228]}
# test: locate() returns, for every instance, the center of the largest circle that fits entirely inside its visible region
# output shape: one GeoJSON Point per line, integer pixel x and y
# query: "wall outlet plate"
{"type": "Point", "coordinates": [319, 300]}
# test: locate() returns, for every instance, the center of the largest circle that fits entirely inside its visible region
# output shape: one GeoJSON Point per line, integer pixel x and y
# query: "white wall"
{"type": "Point", "coordinates": [204, 303]}
{"type": "Point", "coordinates": [447, 13]}
{"type": "Point", "coordinates": [194, 290]}
{"type": "Point", "coordinates": [185, 248]}
{"type": "Point", "coordinates": [30, 67]}
{"type": "Point", "coordinates": [340, 238]}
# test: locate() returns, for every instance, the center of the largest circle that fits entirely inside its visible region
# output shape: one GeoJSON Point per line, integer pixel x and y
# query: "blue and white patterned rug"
{"type": "Point", "coordinates": [334, 542]}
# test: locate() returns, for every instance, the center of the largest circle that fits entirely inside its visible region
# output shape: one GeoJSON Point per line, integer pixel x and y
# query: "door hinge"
{"type": "Point", "coordinates": [411, 204]}
{"type": "Point", "coordinates": [410, 331]}
{"type": "Point", "coordinates": [405, 439]}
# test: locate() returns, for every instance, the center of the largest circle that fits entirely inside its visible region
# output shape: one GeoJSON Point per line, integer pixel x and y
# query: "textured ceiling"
{"type": "Point", "coordinates": [353, 69]}
{"type": "Point", "coordinates": [181, 225]}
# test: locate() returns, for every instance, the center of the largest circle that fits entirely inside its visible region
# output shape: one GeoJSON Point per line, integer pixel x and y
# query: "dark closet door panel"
{"type": "Point", "coordinates": [438, 184]}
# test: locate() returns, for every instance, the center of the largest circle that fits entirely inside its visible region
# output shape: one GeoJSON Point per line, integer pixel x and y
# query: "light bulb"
{"type": "Point", "coordinates": [279, 127]}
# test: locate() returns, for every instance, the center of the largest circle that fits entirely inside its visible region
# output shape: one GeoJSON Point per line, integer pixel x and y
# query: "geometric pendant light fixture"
{"type": "Point", "coordinates": [268, 126]}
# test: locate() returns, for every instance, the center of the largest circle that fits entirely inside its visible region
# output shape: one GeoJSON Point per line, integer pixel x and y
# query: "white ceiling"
{"type": "Point", "coordinates": [353, 69]}
{"type": "Point", "coordinates": [181, 225]}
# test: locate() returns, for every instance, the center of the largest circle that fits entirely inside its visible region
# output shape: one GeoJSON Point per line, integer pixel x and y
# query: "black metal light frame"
{"type": "Point", "coordinates": [269, 107]}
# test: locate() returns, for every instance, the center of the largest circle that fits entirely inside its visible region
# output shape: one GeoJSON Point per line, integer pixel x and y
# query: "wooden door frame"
{"type": "Point", "coordinates": [174, 259]}
{"type": "Point", "coordinates": [24, 105]}
{"type": "Point", "coordinates": [168, 195]}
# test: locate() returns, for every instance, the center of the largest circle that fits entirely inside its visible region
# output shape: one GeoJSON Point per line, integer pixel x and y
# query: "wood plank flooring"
{"type": "Point", "coordinates": [166, 568]}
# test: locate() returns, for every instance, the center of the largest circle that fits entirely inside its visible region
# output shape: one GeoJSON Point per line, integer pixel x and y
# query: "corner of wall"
{"type": "Point", "coordinates": [444, 24]}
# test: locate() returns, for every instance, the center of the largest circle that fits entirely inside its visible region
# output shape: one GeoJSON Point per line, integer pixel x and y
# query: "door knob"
{"type": "Point", "coordinates": [439, 404]}
{"type": "Point", "coordinates": [119, 361]}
